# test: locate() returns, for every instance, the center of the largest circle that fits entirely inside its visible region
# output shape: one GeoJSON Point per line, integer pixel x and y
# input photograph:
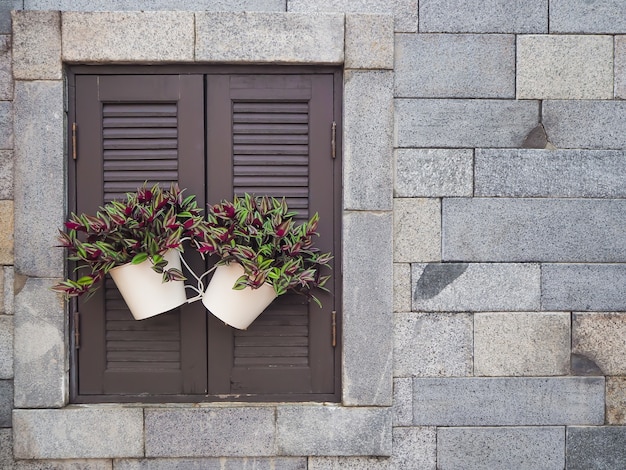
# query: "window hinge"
{"type": "Point", "coordinates": [334, 329]}
{"type": "Point", "coordinates": [333, 140]}
{"type": "Point", "coordinates": [76, 330]}
{"type": "Point", "coordinates": [74, 151]}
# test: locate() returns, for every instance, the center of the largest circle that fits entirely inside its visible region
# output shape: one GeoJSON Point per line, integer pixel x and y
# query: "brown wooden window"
{"type": "Point", "coordinates": [218, 132]}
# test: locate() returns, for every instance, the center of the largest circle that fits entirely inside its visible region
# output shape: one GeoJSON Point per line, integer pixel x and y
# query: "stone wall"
{"type": "Point", "coordinates": [496, 338]}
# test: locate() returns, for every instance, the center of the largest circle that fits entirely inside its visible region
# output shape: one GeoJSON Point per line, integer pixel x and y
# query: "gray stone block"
{"type": "Point", "coordinates": [455, 65]}
{"type": "Point", "coordinates": [6, 403]}
{"type": "Point", "coordinates": [71, 464]}
{"type": "Point", "coordinates": [401, 287]}
{"type": "Point", "coordinates": [414, 447]}
{"type": "Point", "coordinates": [564, 67]}
{"type": "Point", "coordinates": [350, 463]}
{"type": "Point", "coordinates": [78, 433]}
{"type": "Point", "coordinates": [210, 432]}
{"type": "Point", "coordinates": [8, 292]}
{"type": "Point", "coordinates": [519, 448]}
{"type": "Point", "coordinates": [583, 16]}
{"type": "Point", "coordinates": [369, 42]}
{"type": "Point", "coordinates": [598, 448]}
{"type": "Point", "coordinates": [269, 37]}
{"type": "Point", "coordinates": [464, 123]}
{"type": "Point", "coordinates": [181, 5]}
{"type": "Point", "coordinates": [368, 306]}
{"type": "Point", "coordinates": [402, 401]}
{"type": "Point", "coordinates": [620, 67]}
{"type": "Point", "coordinates": [433, 344]}
{"type": "Point", "coordinates": [511, 401]}
{"type": "Point", "coordinates": [6, 125]}
{"type": "Point", "coordinates": [6, 70]}
{"type": "Point", "coordinates": [521, 343]}
{"type": "Point", "coordinates": [487, 16]}
{"type": "Point", "coordinates": [37, 45]}
{"type": "Point", "coordinates": [6, 232]}
{"type": "Point", "coordinates": [585, 123]}
{"type": "Point", "coordinates": [40, 361]}
{"type": "Point", "coordinates": [417, 230]}
{"type": "Point", "coordinates": [245, 463]}
{"type": "Point", "coordinates": [598, 287]}
{"type": "Point", "coordinates": [6, 174]}
{"type": "Point", "coordinates": [559, 230]}
{"type": "Point", "coordinates": [616, 400]}
{"type": "Point", "coordinates": [368, 144]}
{"type": "Point", "coordinates": [475, 287]}
{"type": "Point", "coordinates": [6, 346]}
{"type": "Point", "coordinates": [6, 449]}
{"type": "Point", "coordinates": [328, 430]}
{"type": "Point", "coordinates": [404, 11]}
{"type": "Point", "coordinates": [433, 172]}
{"type": "Point", "coordinates": [5, 14]}
{"type": "Point", "coordinates": [550, 173]}
{"type": "Point", "coordinates": [39, 211]}
{"type": "Point", "coordinates": [164, 36]}
{"type": "Point", "coordinates": [600, 337]}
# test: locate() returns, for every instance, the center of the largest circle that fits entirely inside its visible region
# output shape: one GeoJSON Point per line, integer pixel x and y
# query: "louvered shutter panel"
{"type": "Point", "coordinates": [133, 129]}
{"type": "Point", "coordinates": [270, 135]}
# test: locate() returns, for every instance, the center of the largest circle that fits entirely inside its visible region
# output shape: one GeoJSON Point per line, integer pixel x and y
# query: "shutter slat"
{"type": "Point", "coordinates": [269, 149]}
{"type": "Point", "coordinates": [140, 133]}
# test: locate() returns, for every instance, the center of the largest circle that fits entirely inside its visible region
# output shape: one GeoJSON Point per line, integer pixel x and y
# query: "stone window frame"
{"type": "Point", "coordinates": [43, 42]}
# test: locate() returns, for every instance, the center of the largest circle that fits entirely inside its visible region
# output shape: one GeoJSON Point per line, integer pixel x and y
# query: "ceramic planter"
{"type": "Point", "coordinates": [145, 292]}
{"type": "Point", "coordinates": [237, 308]}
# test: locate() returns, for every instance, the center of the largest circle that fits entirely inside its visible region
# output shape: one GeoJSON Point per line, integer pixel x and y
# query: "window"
{"type": "Point", "coordinates": [217, 131]}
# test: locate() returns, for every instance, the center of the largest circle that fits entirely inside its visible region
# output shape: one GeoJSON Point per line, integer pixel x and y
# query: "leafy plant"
{"type": "Point", "coordinates": [260, 233]}
{"type": "Point", "coordinates": [147, 224]}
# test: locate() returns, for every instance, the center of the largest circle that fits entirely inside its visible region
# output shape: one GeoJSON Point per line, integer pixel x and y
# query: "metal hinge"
{"type": "Point", "coordinates": [333, 140]}
{"type": "Point", "coordinates": [76, 330]}
{"type": "Point", "coordinates": [334, 328]}
{"type": "Point", "coordinates": [74, 151]}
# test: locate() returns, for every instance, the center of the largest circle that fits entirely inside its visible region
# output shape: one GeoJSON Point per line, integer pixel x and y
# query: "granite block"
{"type": "Point", "coordinates": [78, 433]}
{"type": "Point", "coordinates": [6, 449]}
{"type": "Point", "coordinates": [180, 5]}
{"type": "Point", "coordinates": [433, 172]}
{"type": "Point", "coordinates": [6, 174]}
{"type": "Point", "coordinates": [620, 67]}
{"type": "Point", "coordinates": [5, 14]}
{"type": "Point", "coordinates": [210, 432]}
{"type": "Point", "coordinates": [9, 289]}
{"type": "Point", "coordinates": [328, 430]}
{"type": "Point", "coordinates": [368, 306]}
{"type": "Point", "coordinates": [472, 287]}
{"type": "Point", "coordinates": [6, 125]}
{"type": "Point", "coordinates": [6, 346]}
{"type": "Point", "coordinates": [6, 70]}
{"type": "Point", "coordinates": [523, 230]}
{"type": "Point", "coordinates": [550, 173]}
{"type": "Point", "coordinates": [595, 287]}
{"type": "Point", "coordinates": [584, 16]}
{"type": "Point", "coordinates": [269, 37]}
{"type": "Point", "coordinates": [519, 448]}
{"type": "Point", "coordinates": [616, 400]}
{"type": "Point", "coordinates": [37, 45]}
{"type": "Point", "coordinates": [6, 403]}
{"type": "Point", "coordinates": [215, 463]}
{"type": "Point", "coordinates": [350, 463]}
{"type": "Point", "coordinates": [417, 230]}
{"type": "Point", "coordinates": [368, 140]}
{"type": "Point", "coordinates": [464, 122]}
{"type": "Point", "coordinates": [414, 447]}
{"type": "Point", "coordinates": [369, 42]}
{"type": "Point", "coordinates": [597, 447]}
{"type": "Point", "coordinates": [565, 67]}
{"type": "Point", "coordinates": [7, 232]}
{"type": "Point", "coordinates": [455, 65]}
{"type": "Point", "coordinates": [401, 287]}
{"type": "Point", "coordinates": [486, 16]}
{"type": "Point", "coordinates": [521, 344]}
{"type": "Point", "coordinates": [39, 157]}
{"type": "Point", "coordinates": [138, 36]}
{"type": "Point", "coordinates": [585, 124]}
{"type": "Point", "coordinates": [66, 464]}
{"type": "Point", "coordinates": [40, 361]}
{"type": "Point", "coordinates": [433, 344]}
{"type": "Point", "coordinates": [404, 11]}
{"type": "Point", "coordinates": [402, 401]}
{"type": "Point", "coordinates": [600, 337]}
{"type": "Point", "coordinates": [509, 401]}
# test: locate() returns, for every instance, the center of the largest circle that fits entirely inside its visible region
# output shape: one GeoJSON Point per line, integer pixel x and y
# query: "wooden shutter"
{"type": "Point", "coordinates": [271, 135]}
{"type": "Point", "coordinates": [133, 129]}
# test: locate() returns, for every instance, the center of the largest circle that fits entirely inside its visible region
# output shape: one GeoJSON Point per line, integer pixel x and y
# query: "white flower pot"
{"type": "Point", "coordinates": [145, 292]}
{"type": "Point", "coordinates": [237, 308]}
